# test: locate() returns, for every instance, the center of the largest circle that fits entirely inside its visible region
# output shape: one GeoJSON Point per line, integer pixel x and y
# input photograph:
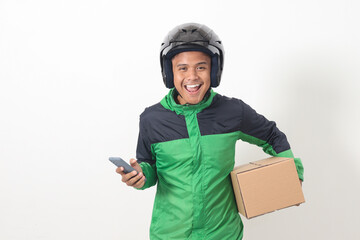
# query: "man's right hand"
{"type": "Point", "coordinates": [132, 179]}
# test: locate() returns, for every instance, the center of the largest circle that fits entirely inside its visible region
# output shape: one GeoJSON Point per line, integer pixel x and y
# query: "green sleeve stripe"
{"type": "Point", "coordinates": [298, 163]}
{"type": "Point", "coordinates": [287, 153]}
{"type": "Point", "coordinates": [299, 168]}
{"type": "Point", "coordinates": [267, 148]}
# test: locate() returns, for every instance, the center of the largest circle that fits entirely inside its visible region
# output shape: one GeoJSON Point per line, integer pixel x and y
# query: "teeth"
{"type": "Point", "coordinates": [192, 86]}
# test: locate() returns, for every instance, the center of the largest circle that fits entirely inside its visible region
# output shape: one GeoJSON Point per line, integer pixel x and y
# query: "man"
{"type": "Point", "coordinates": [187, 142]}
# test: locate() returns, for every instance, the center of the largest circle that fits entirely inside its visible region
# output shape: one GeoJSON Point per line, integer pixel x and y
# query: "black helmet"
{"type": "Point", "coordinates": [191, 37]}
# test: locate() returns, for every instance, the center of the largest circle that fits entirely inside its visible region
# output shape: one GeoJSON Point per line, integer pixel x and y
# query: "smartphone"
{"type": "Point", "coordinates": [119, 162]}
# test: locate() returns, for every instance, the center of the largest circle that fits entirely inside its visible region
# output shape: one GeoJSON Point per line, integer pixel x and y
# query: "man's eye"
{"type": "Point", "coordinates": [182, 69]}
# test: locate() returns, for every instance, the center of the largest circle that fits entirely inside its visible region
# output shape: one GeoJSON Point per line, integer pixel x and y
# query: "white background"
{"type": "Point", "coordinates": [75, 75]}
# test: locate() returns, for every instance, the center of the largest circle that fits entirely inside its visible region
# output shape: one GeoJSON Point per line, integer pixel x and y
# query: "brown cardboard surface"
{"type": "Point", "coordinates": [266, 185]}
{"type": "Point", "coordinates": [245, 167]}
{"type": "Point", "coordinates": [269, 161]}
{"type": "Point", "coordinates": [237, 192]}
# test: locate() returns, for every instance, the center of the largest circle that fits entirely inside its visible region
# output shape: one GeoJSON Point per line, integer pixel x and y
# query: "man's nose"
{"type": "Point", "coordinates": [192, 74]}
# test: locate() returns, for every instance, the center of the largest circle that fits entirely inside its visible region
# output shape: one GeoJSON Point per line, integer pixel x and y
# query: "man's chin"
{"type": "Point", "coordinates": [193, 100]}
{"type": "Point", "coordinates": [186, 97]}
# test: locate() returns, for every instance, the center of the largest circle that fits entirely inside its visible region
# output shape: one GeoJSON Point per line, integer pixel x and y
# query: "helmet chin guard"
{"type": "Point", "coordinates": [191, 37]}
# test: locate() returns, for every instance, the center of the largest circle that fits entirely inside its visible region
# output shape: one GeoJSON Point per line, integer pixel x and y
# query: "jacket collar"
{"type": "Point", "coordinates": [168, 102]}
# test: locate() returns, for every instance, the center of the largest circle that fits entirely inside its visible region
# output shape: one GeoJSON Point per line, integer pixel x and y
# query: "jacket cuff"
{"type": "Point", "coordinates": [150, 174]}
{"type": "Point", "coordinates": [298, 163]}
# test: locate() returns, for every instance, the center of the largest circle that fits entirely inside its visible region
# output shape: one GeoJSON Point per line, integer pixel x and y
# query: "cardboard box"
{"type": "Point", "coordinates": [266, 185]}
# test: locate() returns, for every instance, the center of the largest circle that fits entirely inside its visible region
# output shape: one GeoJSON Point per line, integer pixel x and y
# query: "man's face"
{"type": "Point", "coordinates": [191, 76]}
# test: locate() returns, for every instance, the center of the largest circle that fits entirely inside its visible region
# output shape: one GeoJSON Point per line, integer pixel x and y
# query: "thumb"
{"type": "Point", "coordinates": [135, 164]}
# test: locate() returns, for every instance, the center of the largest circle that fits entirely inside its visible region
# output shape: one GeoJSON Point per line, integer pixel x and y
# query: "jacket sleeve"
{"type": "Point", "coordinates": [145, 157]}
{"type": "Point", "coordinates": [256, 129]}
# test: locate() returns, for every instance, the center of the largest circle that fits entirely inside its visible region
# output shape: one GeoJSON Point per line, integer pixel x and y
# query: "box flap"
{"type": "Point", "coordinates": [269, 161]}
{"type": "Point", "coordinates": [245, 167]}
{"type": "Point", "coordinates": [260, 163]}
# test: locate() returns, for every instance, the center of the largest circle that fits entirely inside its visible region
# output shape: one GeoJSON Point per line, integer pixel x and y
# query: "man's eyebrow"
{"type": "Point", "coordinates": [183, 64]}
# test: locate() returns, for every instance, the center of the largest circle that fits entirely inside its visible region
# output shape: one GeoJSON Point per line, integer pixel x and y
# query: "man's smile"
{"type": "Point", "coordinates": [192, 88]}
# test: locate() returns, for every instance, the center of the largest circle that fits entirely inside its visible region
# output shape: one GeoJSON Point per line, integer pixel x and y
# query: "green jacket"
{"type": "Point", "coordinates": [189, 151]}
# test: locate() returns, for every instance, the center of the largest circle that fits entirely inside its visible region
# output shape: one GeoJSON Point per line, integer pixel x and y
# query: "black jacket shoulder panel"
{"type": "Point", "coordinates": [223, 116]}
{"type": "Point", "coordinates": [226, 115]}
{"type": "Point", "coordinates": [158, 124]}
{"type": "Point", "coordinates": [162, 125]}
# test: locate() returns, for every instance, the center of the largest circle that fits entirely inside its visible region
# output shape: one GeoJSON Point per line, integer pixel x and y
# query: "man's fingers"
{"type": "Point", "coordinates": [140, 183]}
{"type": "Point", "coordinates": [127, 176]}
{"type": "Point", "coordinates": [120, 170]}
{"type": "Point", "coordinates": [135, 164]}
{"type": "Point", "coordinates": [134, 179]}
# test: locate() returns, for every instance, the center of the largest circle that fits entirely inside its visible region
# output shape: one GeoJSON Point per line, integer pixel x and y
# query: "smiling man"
{"type": "Point", "coordinates": [187, 142]}
{"type": "Point", "coordinates": [191, 76]}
